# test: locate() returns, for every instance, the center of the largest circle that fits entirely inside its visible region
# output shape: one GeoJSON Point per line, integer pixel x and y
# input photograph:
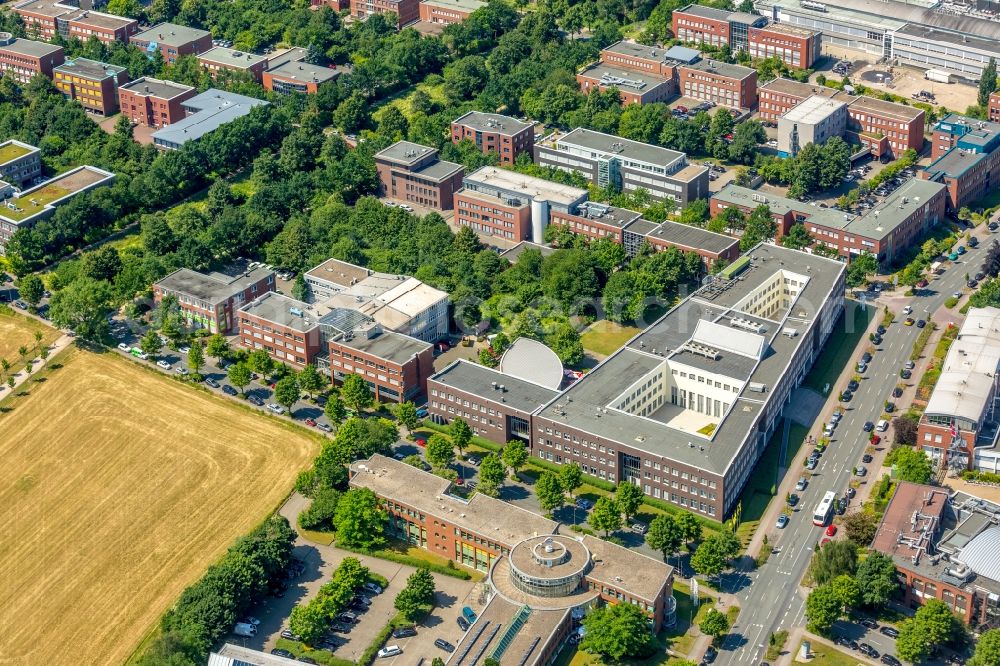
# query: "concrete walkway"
{"type": "Point", "coordinates": [21, 377]}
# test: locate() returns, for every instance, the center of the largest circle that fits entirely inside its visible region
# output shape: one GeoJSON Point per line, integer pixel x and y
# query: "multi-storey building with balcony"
{"type": "Point", "coordinates": [413, 173]}
{"type": "Point", "coordinates": [211, 300]}
{"type": "Point", "coordinates": [93, 84]}
{"type": "Point", "coordinates": [20, 162]}
{"type": "Point", "coordinates": [491, 132]}
{"type": "Point", "coordinates": [22, 59]}
{"type": "Point", "coordinates": [154, 102]}
{"type": "Point", "coordinates": [173, 41]}
{"type": "Point", "coordinates": [607, 160]}
{"type": "Point", "coordinates": [47, 20]}
{"type": "Point", "coordinates": [887, 230]}
{"type": "Point", "coordinates": [966, 154]}
{"type": "Point", "coordinates": [686, 408]}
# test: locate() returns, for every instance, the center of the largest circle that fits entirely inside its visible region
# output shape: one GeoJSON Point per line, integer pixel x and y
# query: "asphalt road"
{"type": "Point", "coordinates": [769, 595]}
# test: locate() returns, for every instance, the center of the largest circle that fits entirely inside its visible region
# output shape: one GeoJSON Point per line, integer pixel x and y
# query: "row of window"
{"type": "Point", "coordinates": [365, 361]}
{"type": "Point", "coordinates": [277, 353]}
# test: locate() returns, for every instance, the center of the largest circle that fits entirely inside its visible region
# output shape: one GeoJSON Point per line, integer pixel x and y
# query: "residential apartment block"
{"type": "Point", "coordinates": [47, 20]}
{"type": "Point", "coordinates": [220, 58]}
{"type": "Point", "coordinates": [448, 11]}
{"type": "Point", "coordinates": [211, 300]}
{"type": "Point", "coordinates": [944, 547]}
{"type": "Point", "coordinates": [397, 302]}
{"type": "Point", "coordinates": [538, 579]}
{"type": "Point", "coordinates": [21, 59]}
{"type": "Point", "coordinates": [173, 41]}
{"type": "Point", "coordinates": [154, 102]}
{"type": "Point", "coordinates": [93, 84]}
{"type": "Point", "coordinates": [413, 173]}
{"type": "Point", "coordinates": [204, 113]}
{"type": "Point", "coordinates": [20, 162]}
{"type": "Point", "coordinates": [966, 156]}
{"type": "Point", "coordinates": [607, 160]}
{"type": "Point", "coordinates": [298, 77]}
{"type": "Point", "coordinates": [887, 230]}
{"type": "Point", "coordinates": [959, 428]}
{"type": "Point", "coordinates": [722, 361]}
{"type": "Point", "coordinates": [406, 11]}
{"type": "Point", "coordinates": [491, 132]}
{"type": "Point", "coordinates": [24, 209]}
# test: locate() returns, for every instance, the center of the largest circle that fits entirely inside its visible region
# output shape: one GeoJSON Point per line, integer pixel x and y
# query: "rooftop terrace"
{"type": "Point", "coordinates": [36, 200]}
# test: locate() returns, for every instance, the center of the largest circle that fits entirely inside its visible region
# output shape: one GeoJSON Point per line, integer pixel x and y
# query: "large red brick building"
{"type": "Point", "coordinates": [298, 77]}
{"type": "Point", "coordinates": [413, 173]}
{"type": "Point", "coordinates": [93, 84]}
{"type": "Point", "coordinates": [966, 154]}
{"type": "Point", "coordinates": [153, 102]}
{"type": "Point", "coordinates": [173, 41]}
{"type": "Point", "coordinates": [703, 25]}
{"type": "Point", "coordinates": [993, 109]}
{"type": "Point", "coordinates": [47, 20]}
{"type": "Point", "coordinates": [211, 300]}
{"type": "Point", "coordinates": [734, 86]}
{"type": "Point", "coordinates": [406, 11]}
{"type": "Point", "coordinates": [448, 11]}
{"type": "Point", "coordinates": [491, 132]}
{"type": "Point", "coordinates": [794, 45]}
{"type": "Point", "coordinates": [21, 59]}
{"type": "Point", "coordinates": [221, 58]}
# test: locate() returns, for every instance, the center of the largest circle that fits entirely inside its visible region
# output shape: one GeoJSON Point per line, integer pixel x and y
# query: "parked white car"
{"type": "Point", "coordinates": [163, 364]}
{"type": "Point", "coordinates": [276, 408]}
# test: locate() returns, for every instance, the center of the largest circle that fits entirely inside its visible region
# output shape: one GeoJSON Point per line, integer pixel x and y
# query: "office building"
{"type": "Point", "coordinates": [397, 302]}
{"type": "Point", "coordinates": [921, 33]}
{"type": "Point", "coordinates": [20, 162]}
{"type": "Point", "coordinates": [154, 102]}
{"type": "Point", "coordinates": [93, 84]}
{"type": "Point", "coordinates": [779, 96]}
{"type": "Point", "coordinates": [504, 204]}
{"type": "Point", "coordinates": [959, 427]}
{"type": "Point", "coordinates": [211, 300]}
{"type": "Point", "coordinates": [607, 160]}
{"type": "Point", "coordinates": [220, 58]}
{"type": "Point", "coordinates": [895, 223]}
{"type": "Point", "coordinates": [710, 246]}
{"type": "Point", "coordinates": [413, 173]}
{"type": "Point", "coordinates": [47, 20]}
{"type": "Point", "coordinates": [173, 41]}
{"type": "Point", "coordinates": [705, 25]}
{"type": "Point", "coordinates": [539, 581]}
{"type": "Point", "coordinates": [944, 547]}
{"type": "Point", "coordinates": [686, 408]}
{"type": "Point", "coordinates": [204, 113]}
{"type": "Point", "coordinates": [448, 11]}
{"type": "Point", "coordinates": [733, 86]}
{"type": "Point", "coordinates": [406, 11]}
{"type": "Point", "coordinates": [634, 87]}
{"type": "Point", "coordinates": [237, 655]}
{"type": "Point", "coordinates": [24, 209]}
{"type": "Point", "coordinates": [794, 45]}
{"type": "Point", "coordinates": [298, 77]}
{"type": "Point", "coordinates": [993, 108]}
{"type": "Point", "coordinates": [21, 59]}
{"type": "Point", "coordinates": [966, 156]}
{"type": "Point", "coordinates": [815, 120]}
{"type": "Point", "coordinates": [491, 132]}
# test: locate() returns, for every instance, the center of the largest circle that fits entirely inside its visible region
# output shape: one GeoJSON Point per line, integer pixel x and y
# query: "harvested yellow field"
{"type": "Point", "coordinates": [16, 331]}
{"type": "Point", "coordinates": [118, 488]}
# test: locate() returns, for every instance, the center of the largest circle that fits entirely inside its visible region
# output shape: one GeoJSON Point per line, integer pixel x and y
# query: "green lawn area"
{"type": "Point", "coordinates": [322, 538]}
{"type": "Point", "coordinates": [757, 495]}
{"type": "Point", "coordinates": [11, 152]}
{"type": "Point", "coordinates": [828, 656]}
{"type": "Point", "coordinates": [402, 99]}
{"type": "Point", "coordinates": [834, 357]}
{"type": "Point", "coordinates": [605, 337]}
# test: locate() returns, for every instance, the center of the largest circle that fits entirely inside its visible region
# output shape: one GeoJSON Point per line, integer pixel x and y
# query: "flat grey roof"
{"type": "Point", "coordinates": [91, 69]}
{"type": "Point", "coordinates": [440, 170]}
{"type": "Point", "coordinates": [584, 405]}
{"type": "Point", "coordinates": [237, 655]}
{"type": "Point", "coordinates": [705, 12]}
{"type": "Point", "coordinates": [529, 186]}
{"type": "Point", "coordinates": [215, 108]}
{"type": "Point", "coordinates": [492, 122]}
{"type": "Point", "coordinates": [954, 163]}
{"type": "Point", "coordinates": [393, 347]}
{"type": "Point", "coordinates": [149, 87]}
{"type": "Point", "coordinates": [210, 287]}
{"type": "Point", "coordinates": [303, 71]}
{"type": "Point", "coordinates": [170, 34]}
{"type": "Point", "coordinates": [813, 109]}
{"type": "Point", "coordinates": [683, 54]}
{"type": "Point", "coordinates": [886, 109]}
{"type": "Point", "coordinates": [102, 20]}
{"type": "Point", "coordinates": [642, 80]}
{"type": "Point", "coordinates": [797, 88]}
{"type": "Point", "coordinates": [291, 54]}
{"type": "Point", "coordinates": [696, 238]}
{"type": "Point", "coordinates": [463, 5]}
{"type": "Point", "coordinates": [277, 308]}
{"type": "Point", "coordinates": [404, 152]}
{"type": "Point", "coordinates": [602, 143]}
{"type": "Point", "coordinates": [641, 227]}
{"type": "Point", "coordinates": [964, 40]}
{"type": "Point", "coordinates": [605, 214]}
{"type": "Point", "coordinates": [514, 253]}
{"type": "Point", "coordinates": [722, 68]}
{"type": "Point", "coordinates": [30, 48]}
{"type": "Point", "coordinates": [636, 50]}
{"type": "Point", "coordinates": [790, 29]}
{"type": "Point", "coordinates": [338, 272]}
{"type": "Point", "coordinates": [477, 379]}
{"type": "Point", "coordinates": [231, 57]}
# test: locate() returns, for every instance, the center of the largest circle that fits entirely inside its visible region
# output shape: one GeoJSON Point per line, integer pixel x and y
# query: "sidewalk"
{"type": "Point", "coordinates": [21, 377]}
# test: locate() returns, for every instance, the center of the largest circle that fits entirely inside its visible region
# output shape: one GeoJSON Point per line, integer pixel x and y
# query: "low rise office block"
{"type": "Point", "coordinates": [173, 41]}
{"type": "Point", "coordinates": [211, 300]}
{"type": "Point", "coordinates": [22, 59]}
{"type": "Point", "coordinates": [491, 132]}
{"type": "Point", "coordinates": [93, 84]}
{"type": "Point", "coordinates": [153, 102]}
{"type": "Point", "coordinates": [414, 173]}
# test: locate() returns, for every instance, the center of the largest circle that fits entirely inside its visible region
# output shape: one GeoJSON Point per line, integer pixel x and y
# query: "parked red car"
{"type": "Point", "coordinates": [421, 442]}
{"type": "Point", "coordinates": [311, 422]}
{"type": "Point", "coordinates": [876, 439]}
{"type": "Point", "coordinates": [831, 530]}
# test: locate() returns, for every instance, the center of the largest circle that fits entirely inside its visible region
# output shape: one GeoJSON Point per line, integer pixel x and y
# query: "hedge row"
{"type": "Point", "coordinates": [409, 560]}
{"type": "Point", "coordinates": [981, 477]}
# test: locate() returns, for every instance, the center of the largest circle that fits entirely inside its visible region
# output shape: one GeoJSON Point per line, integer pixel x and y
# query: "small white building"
{"type": "Point", "coordinates": [814, 120]}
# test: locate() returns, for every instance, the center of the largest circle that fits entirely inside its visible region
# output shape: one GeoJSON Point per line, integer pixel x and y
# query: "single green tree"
{"type": "Point", "coordinates": [335, 411]}
{"type": "Point", "coordinates": [833, 559]}
{"type": "Point", "coordinates": [360, 519]}
{"type": "Point", "coordinates": [31, 289]}
{"type": "Point", "coordinates": [616, 631]}
{"type": "Point", "coordinates": [310, 621]}
{"type": "Point", "coordinates": [461, 434]}
{"type": "Point", "coordinates": [310, 380]}
{"type": "Point", "coordinates": [492, 471]}
{"type": "Point", "coordinates": [196, 357]}
{"type": "Point", "coordinates": [440, 451]}
{"type": "Point", "coordinates": [515, 455]}
{"type": "Point", "coordinates": [239, 375]}
{"type": "Point", "coordinates": [606, 515]}
{"type": "Point", "coordinates": [823, 608]}
{"type": "Point", "coordinates": [987, 649]}
{"type": "Point", "coordinates": [286, 392]}
{"type": "Point", "coordinates": [629, 498]}
{"type": "Point", "coordinates": [877, 579]}
{"type": "Point", "coordinates": [714, 624]}
{"type": "Point", "coordinates": [690, 527]}
{"type": "Point", "coordinates": [664, 535]}
{"type": "Point", "coordinates": [847, 590]}
{"type": "Point", "coordinates": [356, 393]}
{"type": "Point", "coordinates": [218, 347]}
{"type": "Point", "coordinates": [151, 343]}
{"type": "Point", "coordinates": [549, 490]}
{"type": "Point", "coordinates": [912, 465]}
{"type": "Point", "coordinates": [406, 413]}
{"type": "Point", "coordinates": [987, 83]}
{"type": "Point", "coordinates": [261, 362]}
{"type": "Point", "coordinates": [570, 477]}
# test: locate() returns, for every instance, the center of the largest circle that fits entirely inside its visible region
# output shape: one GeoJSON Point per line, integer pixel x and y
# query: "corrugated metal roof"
{"type": "Point", "coordinates": [981, 553]}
